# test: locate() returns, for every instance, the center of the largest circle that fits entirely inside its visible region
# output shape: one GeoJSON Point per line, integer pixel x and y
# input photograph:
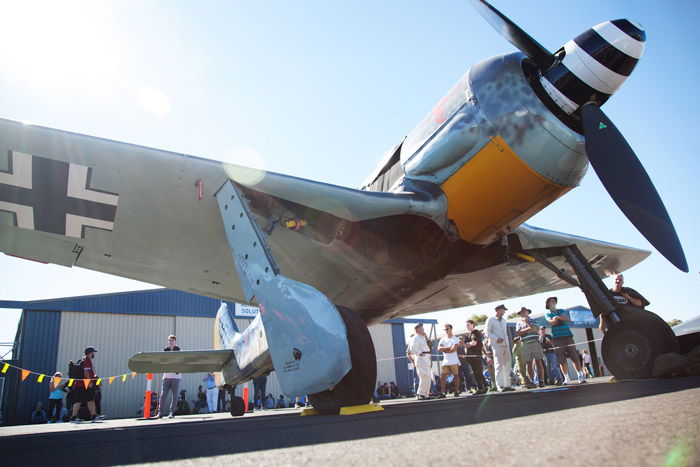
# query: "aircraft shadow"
{"type": "Point", "coordinates": [158, 441]}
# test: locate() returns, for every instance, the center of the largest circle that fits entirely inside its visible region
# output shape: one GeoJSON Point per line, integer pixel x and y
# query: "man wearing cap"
{"type": "Point", "coordinates": [528, 331]}
{"type": "Point", "coordinates": [419, 353]}
{"type": "Point", "coordinates": [563, 340]}
{"type": "Point", "coordinates": [82, 393]}
{"type": "Point", "coordinates": [497, 331]}
{"type": "Point", "coordinates": [475, 351]}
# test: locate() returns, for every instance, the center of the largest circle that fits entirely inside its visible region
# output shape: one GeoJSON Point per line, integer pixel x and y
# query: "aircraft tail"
{"type": "Point", "coordinates": [225, 329]}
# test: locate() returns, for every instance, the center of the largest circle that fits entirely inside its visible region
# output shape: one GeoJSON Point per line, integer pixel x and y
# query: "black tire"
{"type": "Point", "coordinates": [631, 346]}
{"type": "Point", "coordinates": [357, 386]}
{"type": "Point", "coordinates": [237, 406]}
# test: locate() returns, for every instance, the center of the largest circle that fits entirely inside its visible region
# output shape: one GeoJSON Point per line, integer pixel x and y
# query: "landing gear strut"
{"type": "Point", "coordinates": [358, 384]}
{"type": "Point", "coordinates": [635, 337]}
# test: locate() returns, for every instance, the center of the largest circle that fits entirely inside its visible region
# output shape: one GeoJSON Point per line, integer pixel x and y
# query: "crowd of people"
{"type": "Point", "coordinates": [387, 391]}
{"type": "Point", "coordinates": [478, 363]}
{"type": "Point", "coordinates": [82, 401]}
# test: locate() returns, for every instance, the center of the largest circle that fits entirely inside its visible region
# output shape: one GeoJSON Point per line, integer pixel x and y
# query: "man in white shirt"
{"type": "Point", "coordinates": [450, 364]}
{"type": "Point", "coordinates": [419, 353]}
{"type": "Point", "coordinates": [497, 331]}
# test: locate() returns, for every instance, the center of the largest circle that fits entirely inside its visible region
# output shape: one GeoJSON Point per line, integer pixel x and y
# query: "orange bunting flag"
{"type": "Point", "coordinates": [123, 377]}
{"type": "Point", "coordinates": [70, 382]}
{"type": "Point", "coordinates": [133, 374]}
{"type": "Point", "coordinates": [56, 381]}
{"type": "Point", "coordinates": [41, 378]}
{"type": "Point", "coordinates": [5, 367]}
{"type": "Point", "coordinates": [111, 378]}
{"type": "Point", "coordinates": [25, 373]}
{"type": "Point", "coordinates": [99, 380]}
{"type": "Point", "coordinates": [86, 382]}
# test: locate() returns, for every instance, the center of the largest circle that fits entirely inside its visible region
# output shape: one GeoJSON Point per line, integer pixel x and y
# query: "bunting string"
{"type": "Point", "coordinates": [4, 367]}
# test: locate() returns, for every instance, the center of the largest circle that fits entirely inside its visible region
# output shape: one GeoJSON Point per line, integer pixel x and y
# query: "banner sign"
{"type": "Point", "coordinates": [583, 318]}
{"type": "Point", "coordinates": [246, 311]}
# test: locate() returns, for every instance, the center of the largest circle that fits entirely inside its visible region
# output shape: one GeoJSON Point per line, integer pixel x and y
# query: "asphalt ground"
{"type": "Point", "coordinates": [652, 422]}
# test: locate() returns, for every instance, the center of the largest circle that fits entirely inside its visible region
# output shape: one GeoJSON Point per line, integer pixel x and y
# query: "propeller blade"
{"type": "Point", "coordinates": [628, 184]}
{"type": "Point", "coordinates": [514, 34]}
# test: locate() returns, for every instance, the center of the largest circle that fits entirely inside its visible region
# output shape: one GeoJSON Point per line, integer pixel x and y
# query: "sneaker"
{"type": "Point", "coordinates": [172, 415]}
{"type": "Point", "coordinates": [508, 389]}
{"type": "Point", "coordinates": [456, 394]}
{"type": "Point", "coordinates": [440, 396]}
{"type": "Point", "coordinates": [158, 415]}
{"type": "Point", "coordinates": [540, 384]}
{"type": "Point", "coordinates": [530, 386]}
{"type": "Point", "coordinates": [422, 398]}
{"type": "Point", "coordinates": [99, 417]}
{"type": "Point", "coordinates": [581, 380]}
{"type": "Point", "coordinates": [76, 420]}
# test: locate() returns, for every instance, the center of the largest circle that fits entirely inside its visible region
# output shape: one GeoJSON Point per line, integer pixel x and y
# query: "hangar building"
{"type": "Point", "coordinates": [52, 332]}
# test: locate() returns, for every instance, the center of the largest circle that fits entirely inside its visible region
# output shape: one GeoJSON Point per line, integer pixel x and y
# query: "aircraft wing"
{"type": "Point", "coordinates": [511, 279]}
{"type": "Point", "coordinates": [151, 215]}
{"type": "Point", "coordinates": [183, 361]}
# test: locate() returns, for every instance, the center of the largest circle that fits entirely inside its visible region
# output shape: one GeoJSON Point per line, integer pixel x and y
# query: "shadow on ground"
{"type": "Point", "coordinates": [181, 441]}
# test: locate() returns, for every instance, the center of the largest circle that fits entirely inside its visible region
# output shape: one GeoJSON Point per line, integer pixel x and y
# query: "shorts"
{"type": "Point", "coordinates": [532, 351]}
{"type": "Point", "coordinates": [565, 347]}
{"type": "Point", "coordinates": [447, 369]}
{"type": "Point", "coordinates": [80, 394]}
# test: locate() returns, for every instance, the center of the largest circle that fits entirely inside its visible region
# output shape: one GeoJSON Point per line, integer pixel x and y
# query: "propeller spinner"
{"type": "Point", "coordinates": [577, 80]}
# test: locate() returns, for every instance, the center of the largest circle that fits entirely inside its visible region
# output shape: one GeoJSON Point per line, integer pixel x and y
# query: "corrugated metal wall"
{"type": "Point", "coordinates": [384, 348]}
{"type": "Point", "coordinates": [116, 337]}
{"type": "Point", "coordinates": [37, 350]}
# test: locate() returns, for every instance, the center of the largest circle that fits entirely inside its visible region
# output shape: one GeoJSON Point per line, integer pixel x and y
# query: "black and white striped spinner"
{"type": "Point", "coordinates": [595, 64]}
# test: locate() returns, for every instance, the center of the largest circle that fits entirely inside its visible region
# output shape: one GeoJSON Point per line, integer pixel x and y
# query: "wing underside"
{"type": "Point", "coordinates": [511, 279]}
{"type": "Point", "coordinates": [184, 361]}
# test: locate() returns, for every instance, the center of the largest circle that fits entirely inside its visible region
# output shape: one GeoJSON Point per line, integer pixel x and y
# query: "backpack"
{"type": "Point", "coordinates": [75, 371]}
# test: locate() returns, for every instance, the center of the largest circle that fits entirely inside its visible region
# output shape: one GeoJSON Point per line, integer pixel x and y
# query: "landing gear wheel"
{"type": "Point", "coordinates": [237, 405]}
{"type": "Point", "coordinates": [357, 386]}
{"type": "Point", "coordinates": [631, 346]}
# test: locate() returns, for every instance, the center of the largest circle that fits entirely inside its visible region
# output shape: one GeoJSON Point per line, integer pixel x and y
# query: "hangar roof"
{"type": "Point", "coordinates": [166, 302]}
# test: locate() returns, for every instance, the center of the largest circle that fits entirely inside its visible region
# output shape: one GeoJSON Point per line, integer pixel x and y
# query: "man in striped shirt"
{"type": "Point", "coordinates": [563, 340]}
{"type": "Point", "coordinates": [528, 331]}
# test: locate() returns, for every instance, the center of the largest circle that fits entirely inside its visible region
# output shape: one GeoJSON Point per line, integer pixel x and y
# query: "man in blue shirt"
{"type": "Point", "coordinates": [563, 339]}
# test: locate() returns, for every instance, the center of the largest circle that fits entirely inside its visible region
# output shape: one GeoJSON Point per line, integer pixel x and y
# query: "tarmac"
{"type": "Point", "coordinates": [650, 422]}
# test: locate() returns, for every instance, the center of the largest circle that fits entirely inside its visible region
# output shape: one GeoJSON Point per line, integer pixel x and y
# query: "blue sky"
{"type": "Point", "coordinates": [322, 89]}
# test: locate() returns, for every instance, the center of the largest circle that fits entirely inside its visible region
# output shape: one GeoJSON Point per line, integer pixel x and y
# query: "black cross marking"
{"type": "Point", "coordinates": [50, 200]}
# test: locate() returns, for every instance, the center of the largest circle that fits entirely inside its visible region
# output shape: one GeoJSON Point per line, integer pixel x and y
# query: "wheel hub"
{"type": "Point", "coordinates": [631, 350]}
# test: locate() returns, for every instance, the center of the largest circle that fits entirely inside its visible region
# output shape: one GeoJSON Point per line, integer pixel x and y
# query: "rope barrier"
{"type": "Point", "coordinates": [479, 356]}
